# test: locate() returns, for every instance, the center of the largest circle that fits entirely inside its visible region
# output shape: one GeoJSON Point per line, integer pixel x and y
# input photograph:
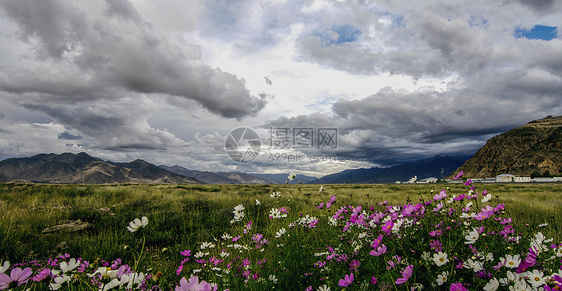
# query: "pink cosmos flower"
{"type": "Point", "coordinates": [331, 201]}
{"type": "Point", "coordinates": [387, 226]}
{"type": "Point", "coordinates": [457, 287]}
{"type": "Point", "coordinates": [379, 251]}
{"type": "Point", "coordinates": [320, 206]}
{"type": "Point", "coordinates": [458, 175]}
{"type": "Point", "coordinates": [346, 281]}
{"type": "Point", "coordinates": [354, 265]}
{"type": "Point", "coordinates": [531, 258]}
{"type": "Point", "coordinates": [44, 274]}
{"type": "Point", "coordinates": [442, 194]}
{"type": "Point", "coordinates": [194, 285]}
{"type": "Point", "coordinates": [17, 277]}
{"type": "Point", "coordinates": [406, 274]}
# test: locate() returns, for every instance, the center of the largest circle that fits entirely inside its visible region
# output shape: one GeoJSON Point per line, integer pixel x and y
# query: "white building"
{"type": "Point", "coordinates": [504, 178]}
{"type": "Point", "coordinates": [522, 179]}
{"type": "Point", "coordinates": [543, 179]}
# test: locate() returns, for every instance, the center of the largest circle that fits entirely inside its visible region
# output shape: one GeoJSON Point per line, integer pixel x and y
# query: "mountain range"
{"type": "Point", "coordinates": [435, 167]}
{"type": "Point", "coordinates": [217, 177]}
{"type": "Point", "coordinates": [85, 169]}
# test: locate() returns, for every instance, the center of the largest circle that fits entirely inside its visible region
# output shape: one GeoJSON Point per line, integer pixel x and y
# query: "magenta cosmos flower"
{"type": "Point", "coordinates": [457, 287]}
{"type": "Point", "coordinates": [194, 285]}
{"type": "Point", "coordinates": [406, 274]}
{"type": "Point", "coordinates": [346, 281]}
{"type": "Point", "coordinates": [17, 277]}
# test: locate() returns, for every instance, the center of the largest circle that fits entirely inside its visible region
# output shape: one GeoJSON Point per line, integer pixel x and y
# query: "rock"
{"type": "Point", "coordinates": [68, 226]}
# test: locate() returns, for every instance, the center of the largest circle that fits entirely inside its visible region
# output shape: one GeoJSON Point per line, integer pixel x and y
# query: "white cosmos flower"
{"type": "Point", "coordinates": [493, 285]}
{"type": "Point", "coordinates": [5, 266]}
{"type": "Point", "coordinates": [112, 284]}
{"type": "Point", "coordinates": [258, 202]}
{"type": "Point", "coordinates": [520, 286]}
{"type": "Point", "coordinates": [60, 281]}
{"type": "Point", "coordinates": [292, 176]}
{"type": "Point", "coordinates": [105, 272]}
{"type": "Point", "coordinates": [476, 266]}
{"type": "Point", "coordinates": [137, 224]}
{"type": "Point", "coordinates": [238, 213]}
{"type": "Point", "coordinates": [207, 245]}
{"type": "Point", "coordinates": [536, 278]}
{"type": "Point", "coordinates": [442, 278]}
{"type": "Point", "coordinates": [487, 198]}
{"type": "Point", "coordinates": [324, 288]}
{"type": "Point", "coordinates": [275, 194]}
{"type": "Point", "coordinates": [71, 265]}
{"type": "Point", "coordinates": [273, 279]}
{"type": "Point", "coordinates": [280, 233]}
{"type": "Point", "coordinates": [471, 237]}
{"type": "Point", "coordinates": [440, 259]}
{"type": "Point", "coordinates": [511, 261]}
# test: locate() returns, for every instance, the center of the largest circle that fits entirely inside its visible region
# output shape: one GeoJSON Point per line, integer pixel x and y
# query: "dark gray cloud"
{"type": "Point", "coordinates": [116, 52]}
{"type": "Point", "coordinates": [111, 127]}
{"type": "Point", "coordinates": [393, 126]}
{"type": "Point", "coordinates": [539, 4]}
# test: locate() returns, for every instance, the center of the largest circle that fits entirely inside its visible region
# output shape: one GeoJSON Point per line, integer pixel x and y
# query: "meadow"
{"type": "Point", "coordinates": [284, 237]}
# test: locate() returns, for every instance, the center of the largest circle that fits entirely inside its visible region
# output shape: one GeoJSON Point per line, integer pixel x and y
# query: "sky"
{"type": "Point", "coordinates": [306, 86]}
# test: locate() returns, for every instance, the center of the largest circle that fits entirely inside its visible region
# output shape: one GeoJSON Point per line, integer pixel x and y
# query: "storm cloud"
{"type": "Point", "coordinates": [167, 81]}
{"type": "Point", "coordinates": [110, 52]}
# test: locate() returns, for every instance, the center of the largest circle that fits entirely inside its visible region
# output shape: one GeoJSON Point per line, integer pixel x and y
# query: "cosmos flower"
{"type": "Point", "coordinates": [346, 281]}
{"type": "Point", "coordinates": [511, 261]}
{"type": "Point", "coordinates": [406, 274]}
{"type": "Point", "coordinates": [17, 277]}
{"type": "Point", "coordinates": [493, 285]}
{"type": "Point", "coordinates": [457, 287]}
{"type": "Point", "coordinates": [5, 266]}
{"type": "Point", "coordinates": [472, 237]}
{"type": "Point", "coordinates": [194, 285]}
{"type": "Point", "coordinates": [442, 278]}
{"type": "Point", "coordinates": [71, 265]}
{"type": "Point", "coordinates": [440, 258]}
{"type": "Point", "coordinates": [292, 176]}
{"type": "Point", "coordinates": [137, 224]}
{"type": "Point", "coordinates": [459, 175]}
{"type": "Point", "coordinates": [60, 281]}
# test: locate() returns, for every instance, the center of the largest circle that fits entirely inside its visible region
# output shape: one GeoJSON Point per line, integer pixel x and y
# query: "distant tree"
{"type": "Point", "coordinates": [535, 174]}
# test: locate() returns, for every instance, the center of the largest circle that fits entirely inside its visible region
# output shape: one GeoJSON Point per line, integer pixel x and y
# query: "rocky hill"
{"type": "Point", "coordinates": [85, 169]}
{"type": "Point", "coordinates": [531, 149]}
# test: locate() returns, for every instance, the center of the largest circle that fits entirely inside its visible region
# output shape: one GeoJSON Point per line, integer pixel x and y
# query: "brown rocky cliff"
{"type": "Point", "coordinates": [535, 147]}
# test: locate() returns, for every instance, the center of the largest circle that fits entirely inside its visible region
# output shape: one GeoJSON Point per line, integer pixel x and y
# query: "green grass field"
{"type": "Point", "coordinates": [183, 216]}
